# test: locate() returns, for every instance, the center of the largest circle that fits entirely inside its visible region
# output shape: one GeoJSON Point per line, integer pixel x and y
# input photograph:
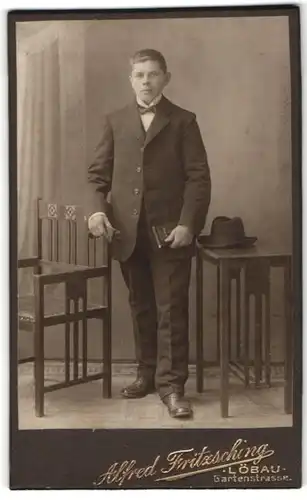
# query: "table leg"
{"type": "Point", "coordinates": [218, 312]}
{"type": "Point", "coordinates": [229, 317]}
{"type": "Point", "coordinates": [238, 316]}
{"type": "Point", "coordinates": [246, 336]}
{"type": "Point", "coordinates": [199, 323]}
{"type": "Point", "coordinates": [267, 345]}
{"type": "Point", "coordinates": [258, 339]}
{"type": "Point", "coordinates": [224, 363]}
{"type": "Point", "coordinates": [288, 338]}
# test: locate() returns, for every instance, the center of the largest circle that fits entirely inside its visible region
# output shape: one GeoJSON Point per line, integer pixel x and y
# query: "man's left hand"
{"type": "Point", "coordinates": [180, 236]}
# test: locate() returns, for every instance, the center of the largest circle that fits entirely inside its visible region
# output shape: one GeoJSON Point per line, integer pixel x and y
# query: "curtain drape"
{"type": "Point", "coordinates": [38, 132]}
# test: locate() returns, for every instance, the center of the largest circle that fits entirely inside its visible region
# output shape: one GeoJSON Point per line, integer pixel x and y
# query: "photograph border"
{"type": "Point", "coordinates": [78, 459]}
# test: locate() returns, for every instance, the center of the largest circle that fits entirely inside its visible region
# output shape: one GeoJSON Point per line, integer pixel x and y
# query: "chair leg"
{"type": "Point", "coordinates": [107, 357]}
{"type": "Point", "coordinates": [76, 343]}
{"type": "Point", "coordinates": [39, 348]}
{"type": "Point", "coordinates": [39, 387]}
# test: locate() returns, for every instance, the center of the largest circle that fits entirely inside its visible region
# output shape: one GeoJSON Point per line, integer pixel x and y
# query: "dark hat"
{"type": "Point", "coordinates": [226, 233]}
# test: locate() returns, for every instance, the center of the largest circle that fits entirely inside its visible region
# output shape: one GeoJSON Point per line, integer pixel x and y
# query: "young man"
{"type": "Point", "coordinates": [152, 160]}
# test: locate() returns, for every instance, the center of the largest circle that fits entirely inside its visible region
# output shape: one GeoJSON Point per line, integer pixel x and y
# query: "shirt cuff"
{"type": "Point", "coordinates": [94, 215]}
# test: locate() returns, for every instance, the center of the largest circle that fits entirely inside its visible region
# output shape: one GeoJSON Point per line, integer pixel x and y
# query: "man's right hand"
{"type": "Point", "coordinates": [99, 225]}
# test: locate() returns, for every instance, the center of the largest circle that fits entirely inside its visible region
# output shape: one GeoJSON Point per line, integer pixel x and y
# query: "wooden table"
{"type": "Point", "coordinates": [256, 263]}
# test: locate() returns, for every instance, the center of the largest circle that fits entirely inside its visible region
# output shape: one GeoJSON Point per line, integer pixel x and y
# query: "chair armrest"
{"type": "Point", "coordinates": [66, 272]}
{"type": "Point", "coordinates": [28, 262]}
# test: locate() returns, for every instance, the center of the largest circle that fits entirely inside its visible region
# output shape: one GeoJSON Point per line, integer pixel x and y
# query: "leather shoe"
{"type": "Point", "coordinates": [177, 406]}
{"type": "Point", "coordinates": [139, 388]}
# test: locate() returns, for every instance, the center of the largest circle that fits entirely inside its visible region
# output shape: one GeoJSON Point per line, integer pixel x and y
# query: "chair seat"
{"type": "Point", "coordinates": [54, 305]}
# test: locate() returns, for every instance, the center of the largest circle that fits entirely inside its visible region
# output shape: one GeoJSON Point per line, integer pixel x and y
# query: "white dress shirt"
{"type": "Point", "coordinates": [147, 118]}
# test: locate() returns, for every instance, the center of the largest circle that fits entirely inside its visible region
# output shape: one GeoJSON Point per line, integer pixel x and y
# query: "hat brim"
{"type": "Point", "coordinates": [208, 242]}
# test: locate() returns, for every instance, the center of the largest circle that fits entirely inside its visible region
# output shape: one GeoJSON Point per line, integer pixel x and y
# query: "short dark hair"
{"type": "Point", "coordinates": [149, 55]}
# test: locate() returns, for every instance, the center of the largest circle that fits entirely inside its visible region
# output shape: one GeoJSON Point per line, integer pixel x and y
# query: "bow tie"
{"type": "Point", "coordinates": [149, 109]}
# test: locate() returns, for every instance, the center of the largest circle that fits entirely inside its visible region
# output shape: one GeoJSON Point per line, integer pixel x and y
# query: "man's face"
{"type": "Point", "coordinates": [148, 80]}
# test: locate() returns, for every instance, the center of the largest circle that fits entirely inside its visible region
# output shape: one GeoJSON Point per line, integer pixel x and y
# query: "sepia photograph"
{"type": "Point", "coordinates": [184, 149]}
{"type": "Point", "coordinates": [155, 221]}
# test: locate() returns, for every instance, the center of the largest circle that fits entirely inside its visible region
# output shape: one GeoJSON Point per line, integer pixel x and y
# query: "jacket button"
{"type": "Point", "coordinates": [134, 212]}
{"type": "Point", "coordinates": [136, 191]}
{"type": "Point", "coordinates": [138, 169]}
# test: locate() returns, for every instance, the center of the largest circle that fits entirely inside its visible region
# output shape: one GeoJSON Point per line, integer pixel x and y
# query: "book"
{"type": "Point", "coordinates": [161, 233]}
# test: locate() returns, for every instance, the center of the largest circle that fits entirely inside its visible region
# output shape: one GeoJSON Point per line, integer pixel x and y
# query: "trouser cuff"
{"type": "Point", "coordinates": [165, 391]}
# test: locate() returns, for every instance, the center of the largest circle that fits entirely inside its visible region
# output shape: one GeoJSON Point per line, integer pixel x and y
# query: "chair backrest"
{"type": "Point", "coordinates": [63, 236]}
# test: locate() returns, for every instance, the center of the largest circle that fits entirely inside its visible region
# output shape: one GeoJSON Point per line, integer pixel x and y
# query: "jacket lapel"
{"type": "Point", "coordinates": [160, 120]}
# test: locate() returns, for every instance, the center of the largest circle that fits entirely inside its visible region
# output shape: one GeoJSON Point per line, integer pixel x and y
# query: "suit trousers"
{"type": "Point", "coordinates": [158, 283]}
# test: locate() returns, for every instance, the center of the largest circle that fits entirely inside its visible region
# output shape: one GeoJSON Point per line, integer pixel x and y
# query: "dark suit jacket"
{"type": "Point", "coordinates": [166, 167]}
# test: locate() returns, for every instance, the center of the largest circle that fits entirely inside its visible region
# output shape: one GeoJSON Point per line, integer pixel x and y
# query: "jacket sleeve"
{"type": "Point", "coordinates": [100, 171]}
{"type": "Point", "coordinates": [197, 192]}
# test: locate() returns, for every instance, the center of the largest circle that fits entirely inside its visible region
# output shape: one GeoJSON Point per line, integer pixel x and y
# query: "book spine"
{"type": "Point", "coordinates": [156, 237]}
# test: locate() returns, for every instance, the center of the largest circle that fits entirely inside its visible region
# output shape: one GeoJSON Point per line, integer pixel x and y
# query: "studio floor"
{"type": "Point", "coordinates": [83, 406]}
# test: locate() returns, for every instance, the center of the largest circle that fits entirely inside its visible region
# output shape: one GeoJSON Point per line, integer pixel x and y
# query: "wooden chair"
{"type": "Point", "coordinates": [66, 255]}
